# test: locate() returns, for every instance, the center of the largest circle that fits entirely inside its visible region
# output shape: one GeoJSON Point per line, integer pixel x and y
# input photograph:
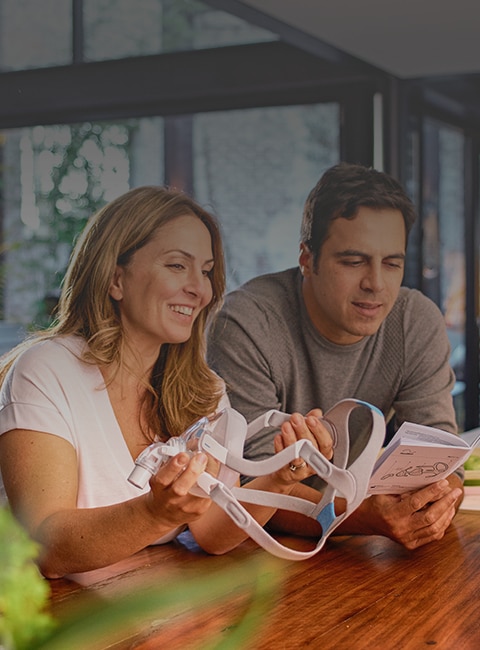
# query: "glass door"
{"type": "Point", "coordinates": [446, 251]}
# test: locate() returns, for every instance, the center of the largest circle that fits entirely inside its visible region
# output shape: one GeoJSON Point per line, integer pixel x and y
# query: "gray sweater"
{"type": "Point", "coordinates": [270, 355]}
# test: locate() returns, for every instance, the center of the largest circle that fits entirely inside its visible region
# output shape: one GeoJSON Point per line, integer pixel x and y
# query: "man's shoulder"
{"type": "Point", "coordinates": [271, 289]}
{"type": "Point", "coordinates": [415, 315]}
{"type": "Point", "coordinates": [265, 303]}
{"type": "Point", "coordinates": [413, 300]}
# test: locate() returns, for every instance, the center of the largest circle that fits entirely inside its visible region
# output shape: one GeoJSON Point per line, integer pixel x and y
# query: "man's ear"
{"type": "Point", "coordinates": [115, 289]}
{"type": "Point", "coordinates": [306, 261]}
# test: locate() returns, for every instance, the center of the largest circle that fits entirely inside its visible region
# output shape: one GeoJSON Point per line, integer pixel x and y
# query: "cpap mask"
{"type": "Point", "coordinates": [223, 437]}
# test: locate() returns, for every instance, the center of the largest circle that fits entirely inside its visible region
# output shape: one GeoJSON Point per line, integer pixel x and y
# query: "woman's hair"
{"type": "Point", "coordinates": [341, 192]}
{"type": "Point", "coordinates": [182, 388]}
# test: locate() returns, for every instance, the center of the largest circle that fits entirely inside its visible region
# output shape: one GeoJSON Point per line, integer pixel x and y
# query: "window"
{"type": "Point", "coordinates": [253, 168]}
{"type": "Point", "coordinates": [54, 178]}
{"type": "Point", "coordinates": [443, 248]}
{"type": "Point", "coordinates": [113, 29]}
{"type": "Point", "coordinates": [30, 22]}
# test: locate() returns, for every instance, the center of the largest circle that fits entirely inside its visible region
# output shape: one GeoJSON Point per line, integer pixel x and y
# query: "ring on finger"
{"type": "Point", "coordinates": [293, 467]}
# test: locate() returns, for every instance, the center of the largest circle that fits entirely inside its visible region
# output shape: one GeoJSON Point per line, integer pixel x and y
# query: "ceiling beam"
{"type": "Point", "coordinates": [175, 83]}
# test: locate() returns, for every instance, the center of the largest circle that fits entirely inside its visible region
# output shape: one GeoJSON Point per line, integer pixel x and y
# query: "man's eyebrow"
{"type": "Point", "coordinates": [351, 252]}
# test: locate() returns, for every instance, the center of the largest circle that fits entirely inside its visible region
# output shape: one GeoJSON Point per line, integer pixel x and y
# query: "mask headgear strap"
{"type": "Point", "coordinates": [351, 483]}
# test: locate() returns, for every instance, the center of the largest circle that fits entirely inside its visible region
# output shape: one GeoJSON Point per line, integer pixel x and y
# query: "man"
{"type": "Point", "coordinates": [342, 326]}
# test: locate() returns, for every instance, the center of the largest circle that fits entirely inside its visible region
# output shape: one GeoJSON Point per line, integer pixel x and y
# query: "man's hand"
{"type": "Point", "coordinates": [299, 427]}
{"type": "Point", "coordinates": [309, 427]}
{"type": "Point", "coordinates": [413, 518]}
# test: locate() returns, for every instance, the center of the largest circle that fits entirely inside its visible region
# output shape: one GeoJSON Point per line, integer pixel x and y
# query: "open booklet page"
{"type": "Point", "coordinates": [416, 456]}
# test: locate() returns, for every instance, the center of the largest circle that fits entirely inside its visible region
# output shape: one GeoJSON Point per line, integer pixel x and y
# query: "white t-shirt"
{"type": "Point", "coordinates": [50, 389]}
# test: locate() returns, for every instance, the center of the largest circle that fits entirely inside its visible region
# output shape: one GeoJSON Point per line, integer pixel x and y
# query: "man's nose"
{"type": "Point", "coordinates": [373, 279]}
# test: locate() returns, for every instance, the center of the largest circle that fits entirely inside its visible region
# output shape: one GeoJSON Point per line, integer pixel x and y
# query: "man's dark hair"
{"type": "Point", "coordinates": [341, 191]}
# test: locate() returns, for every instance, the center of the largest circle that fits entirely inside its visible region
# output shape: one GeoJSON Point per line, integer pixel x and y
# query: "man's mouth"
{"type": "Point", "coordinates": [368, 309]}
{"type": "Point", "coordinates": [368, 305]}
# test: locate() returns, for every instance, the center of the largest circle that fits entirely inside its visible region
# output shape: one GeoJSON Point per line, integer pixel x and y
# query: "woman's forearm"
{"type": "Point", "coordinates": [88, 538]}
{"type": "Point", "coordinates": [206, 529]}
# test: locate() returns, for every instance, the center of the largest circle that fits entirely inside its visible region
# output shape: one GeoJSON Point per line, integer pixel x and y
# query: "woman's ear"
{"type": "Point", "coordinates": [115, 289]}
{"type": "Point", "coordinates": [306, 261]}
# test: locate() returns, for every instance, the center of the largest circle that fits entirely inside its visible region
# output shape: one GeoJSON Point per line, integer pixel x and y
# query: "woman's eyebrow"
{"type": "Point", "coordinates": [186, 254]}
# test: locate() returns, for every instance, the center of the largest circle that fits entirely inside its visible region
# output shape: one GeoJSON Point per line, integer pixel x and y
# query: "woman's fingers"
{"type": "Point", "coordinates": [181, 472]}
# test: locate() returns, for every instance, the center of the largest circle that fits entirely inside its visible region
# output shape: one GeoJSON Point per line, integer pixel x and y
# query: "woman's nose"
{"type": "Point", "coordinates": [196, 283]}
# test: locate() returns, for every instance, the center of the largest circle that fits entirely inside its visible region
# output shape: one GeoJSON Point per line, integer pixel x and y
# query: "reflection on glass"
{"type": "Point", "coordinates": [255, 168]}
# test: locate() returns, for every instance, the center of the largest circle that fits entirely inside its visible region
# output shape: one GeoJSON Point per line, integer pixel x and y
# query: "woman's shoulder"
{"type": "Point", "coordinates": [55, 352]}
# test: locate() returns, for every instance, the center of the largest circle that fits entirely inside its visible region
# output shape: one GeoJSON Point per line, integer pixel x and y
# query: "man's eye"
{"type": "Point", "coordinates": [394, 265]}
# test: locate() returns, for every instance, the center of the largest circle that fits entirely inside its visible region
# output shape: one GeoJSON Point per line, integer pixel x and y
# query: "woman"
{"type": "Point", "coordinates": [122, 366]}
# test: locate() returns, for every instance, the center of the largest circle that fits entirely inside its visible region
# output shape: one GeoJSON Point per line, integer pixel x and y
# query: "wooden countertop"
{"type": "Point", "coordinates": [358, 593]}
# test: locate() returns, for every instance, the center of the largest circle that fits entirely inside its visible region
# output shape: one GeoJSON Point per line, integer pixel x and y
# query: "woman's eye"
{"type": "Point", "coordinates": [178, 267]}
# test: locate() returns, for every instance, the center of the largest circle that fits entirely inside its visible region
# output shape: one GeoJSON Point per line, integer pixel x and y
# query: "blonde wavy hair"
{"type": "Point", "coordinates": [182, 388]}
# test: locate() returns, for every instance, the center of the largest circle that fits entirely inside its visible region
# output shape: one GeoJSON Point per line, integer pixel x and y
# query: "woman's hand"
{"type": "Point", "coordinates": [170, 500]}
{"type": "Point", "coordinates": [301, 427]}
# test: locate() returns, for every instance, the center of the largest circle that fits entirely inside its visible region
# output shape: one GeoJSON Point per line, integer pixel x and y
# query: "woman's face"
{"type": "Point", "coordinates": [166, 284]}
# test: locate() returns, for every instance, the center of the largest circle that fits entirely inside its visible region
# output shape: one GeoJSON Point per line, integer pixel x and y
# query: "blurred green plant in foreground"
{"type": "Point", "coordinates": [23, 592]}
{"type": "Point", "coordinates": [26, 624]}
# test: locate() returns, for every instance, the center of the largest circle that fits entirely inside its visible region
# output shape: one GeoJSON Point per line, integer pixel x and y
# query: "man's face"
{"type": "Point", "coordinates": [358, 276]}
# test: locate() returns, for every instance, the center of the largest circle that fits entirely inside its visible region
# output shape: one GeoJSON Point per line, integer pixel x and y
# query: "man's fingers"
{"type": "Point", "coordinates": [316, 413]}
{"type": "Point", "coordinates": [417, 500]}
{"type": "Point", "coordinates": [417, 518]}
{"type": "Point", "coordinates": [321, 434]}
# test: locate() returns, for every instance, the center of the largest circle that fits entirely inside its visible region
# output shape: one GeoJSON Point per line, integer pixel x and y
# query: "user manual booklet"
{"type": "Point", "coordinates": [416, 456]}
